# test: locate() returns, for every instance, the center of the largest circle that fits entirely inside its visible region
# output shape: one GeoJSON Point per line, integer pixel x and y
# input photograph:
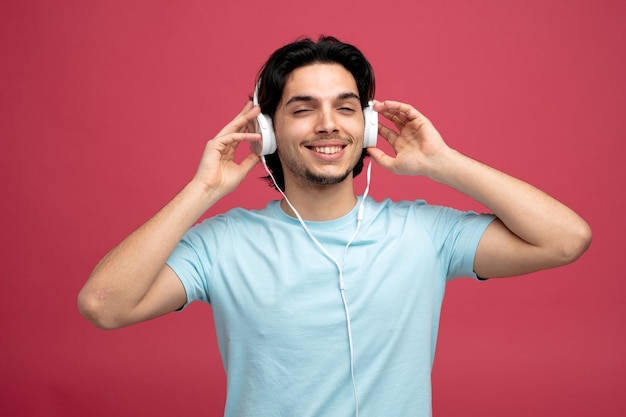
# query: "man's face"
{"type": "Point", "coordinates": [319, 125]}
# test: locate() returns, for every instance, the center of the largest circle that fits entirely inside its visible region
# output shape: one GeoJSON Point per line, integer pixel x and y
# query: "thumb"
{"type": "Point", "coordinates": [381, 158]}
{"type": "Point", "coordinates": [250, 162]}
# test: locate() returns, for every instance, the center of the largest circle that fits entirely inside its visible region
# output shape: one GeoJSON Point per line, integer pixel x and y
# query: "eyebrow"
{"type": "Point", "coordinates": [304, 98]}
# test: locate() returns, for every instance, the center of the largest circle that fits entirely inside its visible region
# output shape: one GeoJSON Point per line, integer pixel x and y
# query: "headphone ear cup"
{"type": "Point", "coordinates": [267, 145]}
{"type": "Point", "coordinates": [370, 135]}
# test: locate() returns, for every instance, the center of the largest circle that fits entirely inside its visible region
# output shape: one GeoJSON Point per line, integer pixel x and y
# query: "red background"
{"type": "Point", "coordinates": [105, 109]}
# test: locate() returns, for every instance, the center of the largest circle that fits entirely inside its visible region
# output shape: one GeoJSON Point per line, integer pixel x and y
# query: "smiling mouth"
{"type": "Point", "coordinates": [327, 150]}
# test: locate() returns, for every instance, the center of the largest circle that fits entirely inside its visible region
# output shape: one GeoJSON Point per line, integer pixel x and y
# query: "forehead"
{"type": "Point", "coordinates": [319, 81]}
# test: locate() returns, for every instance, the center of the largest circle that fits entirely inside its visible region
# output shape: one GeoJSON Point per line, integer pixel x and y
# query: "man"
{"type": "Point", "coordinates": [325, 303]}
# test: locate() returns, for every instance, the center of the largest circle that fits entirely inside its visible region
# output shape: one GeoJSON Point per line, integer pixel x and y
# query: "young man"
{"type": "Point", "coordinates": [326, 303]}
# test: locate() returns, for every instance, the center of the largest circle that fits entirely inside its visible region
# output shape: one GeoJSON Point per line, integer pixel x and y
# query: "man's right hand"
{"type": "Point", "coordinates": [218, 172]}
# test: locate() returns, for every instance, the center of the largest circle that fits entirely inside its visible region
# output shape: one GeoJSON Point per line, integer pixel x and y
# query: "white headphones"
{"type": "Point", "coordinates": [264, 126]}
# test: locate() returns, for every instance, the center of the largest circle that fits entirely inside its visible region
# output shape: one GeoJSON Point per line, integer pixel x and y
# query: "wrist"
{"type": "Point", "coordinates": [443, 165]}
{"type": "Point", "coordinates": [199, 194]}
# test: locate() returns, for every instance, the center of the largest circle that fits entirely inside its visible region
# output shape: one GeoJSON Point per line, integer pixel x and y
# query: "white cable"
{"type": "Point", "coordinates": [359, 217]}
{"type": "Point", "coordinates": [356, 399]}
{"type": "Point", "coordinates": [339, 267]}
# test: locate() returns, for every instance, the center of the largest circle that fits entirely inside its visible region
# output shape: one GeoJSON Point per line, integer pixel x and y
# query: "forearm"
{"type": "Point", "coordinates": [126, 274]}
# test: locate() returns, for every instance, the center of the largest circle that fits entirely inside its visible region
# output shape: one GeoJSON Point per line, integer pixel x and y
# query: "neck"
{"type": "Point", "coordinates": [320, 202]}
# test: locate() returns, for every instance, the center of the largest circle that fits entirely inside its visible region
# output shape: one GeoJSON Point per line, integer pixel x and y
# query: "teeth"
{"type": "Point", "coordinates": [328, 150]}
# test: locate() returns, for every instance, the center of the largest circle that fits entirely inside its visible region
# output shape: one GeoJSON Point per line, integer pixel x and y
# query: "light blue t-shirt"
{"type": "Point", "coordinates": [279, 316]}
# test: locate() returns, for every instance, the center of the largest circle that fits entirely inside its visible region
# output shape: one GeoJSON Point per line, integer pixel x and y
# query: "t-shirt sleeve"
{"type": "Point", "coordinates": [194, 256]}
{"type": "Point", "coordinates": [456, 235]}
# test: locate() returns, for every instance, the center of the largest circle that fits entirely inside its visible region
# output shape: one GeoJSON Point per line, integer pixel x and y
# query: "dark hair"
{"type": "Point", "coordinates": [273, 77]}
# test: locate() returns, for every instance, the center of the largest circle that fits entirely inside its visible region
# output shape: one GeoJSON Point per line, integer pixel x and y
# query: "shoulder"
{"type": "Point", "coordinates": [388, 204]}
{"type": "Point", "coordinates": [239, 215]}
{"type": "Point", "coordinates": [404, 208]}
{"type": "Point", "coordinates": [435, 219]}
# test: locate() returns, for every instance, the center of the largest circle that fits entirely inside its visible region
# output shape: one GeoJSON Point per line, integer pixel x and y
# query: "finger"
{"type": "Point", "coordinates": [388, 134]}
{"type": "Point", "coordinates": [399, 108]}
{"type": "Point", "coordinates": [246, 107]}
{"type": "Point", "coordinates": [238, 137]}
{"type": "Point", "coordinates": [381, 158]}
{"type": "Point", "coordinates": [227, 144]}
{"type": "Point", "coordinates": [247, 115]}
{"type": "Point", "coordinates": [399, 112]}
{"type": "Point", "coordinates": [395, 119]}
{"type": "Point", "coordinates": [250, 162]}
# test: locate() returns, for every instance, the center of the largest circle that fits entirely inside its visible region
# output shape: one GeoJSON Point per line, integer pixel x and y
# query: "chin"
{"type": "Point", "coordinates": [327, 179]}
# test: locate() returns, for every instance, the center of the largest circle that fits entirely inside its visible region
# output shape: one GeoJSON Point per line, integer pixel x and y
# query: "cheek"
{"type": "Point", "coordinates": [355, 127]}
{"type": "Point", "coordinates": [291, 133]}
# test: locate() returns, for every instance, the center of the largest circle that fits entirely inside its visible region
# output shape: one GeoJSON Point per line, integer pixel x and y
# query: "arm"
{"type": "Point", "coordinates": [132, 283]}
{"type": "Point", "coordinates": [533, 230]}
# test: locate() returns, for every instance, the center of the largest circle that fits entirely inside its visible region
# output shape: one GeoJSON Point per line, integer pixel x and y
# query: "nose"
{"type": "Point", "coordinates": [326, 122]}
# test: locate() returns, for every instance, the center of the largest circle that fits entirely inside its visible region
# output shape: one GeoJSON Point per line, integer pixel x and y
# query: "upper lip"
{"type": "Point", "coordinates": [323, 143]}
